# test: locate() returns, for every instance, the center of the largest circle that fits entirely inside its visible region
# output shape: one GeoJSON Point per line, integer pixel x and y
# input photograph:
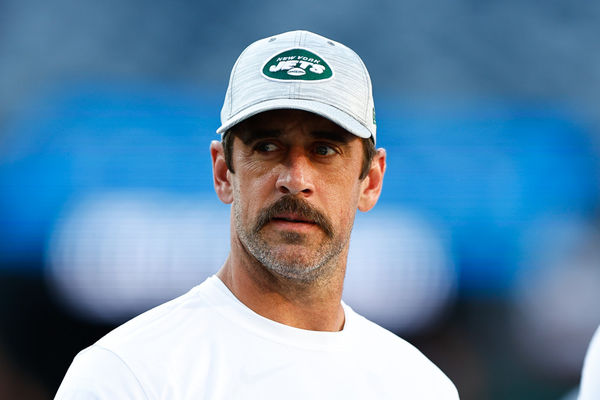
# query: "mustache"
{"type": "Point", "coordinates": [290, 204]}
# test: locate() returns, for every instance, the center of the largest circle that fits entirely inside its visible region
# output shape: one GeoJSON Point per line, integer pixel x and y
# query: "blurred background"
{"type": "Point", "coordinates": [484, 250]}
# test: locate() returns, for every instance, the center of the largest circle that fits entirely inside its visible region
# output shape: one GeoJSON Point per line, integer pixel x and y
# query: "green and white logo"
{"type": "Point", "coordinates": [297, 65]}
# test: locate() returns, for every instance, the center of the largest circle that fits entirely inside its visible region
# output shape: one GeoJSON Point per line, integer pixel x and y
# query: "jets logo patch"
{"type": "Point", "coordinates": [296, 65]}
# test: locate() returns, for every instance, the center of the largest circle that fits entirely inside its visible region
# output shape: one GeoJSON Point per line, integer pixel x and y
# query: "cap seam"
{"type": "Point", "coordinates": [234, 71]}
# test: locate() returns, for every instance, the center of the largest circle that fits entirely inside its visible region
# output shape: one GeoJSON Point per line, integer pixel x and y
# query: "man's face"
{"type": "Point", "coordinates": [296, 189]}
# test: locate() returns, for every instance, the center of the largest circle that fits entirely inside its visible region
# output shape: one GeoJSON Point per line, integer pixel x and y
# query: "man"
{"type": "Point", "coordinates": [296, 159]}
{"type": "Point", "coordinates": [590, 375]}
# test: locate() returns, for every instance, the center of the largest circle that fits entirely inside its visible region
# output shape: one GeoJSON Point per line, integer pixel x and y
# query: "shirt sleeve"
{"type": "Point", "coordinates": [590, 376]}
{"type": "Point", "coordinates": [99, 374]}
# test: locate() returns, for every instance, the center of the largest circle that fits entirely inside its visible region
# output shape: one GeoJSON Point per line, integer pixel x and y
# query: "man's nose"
{"type": "Point", "coordinates": [295, 176]}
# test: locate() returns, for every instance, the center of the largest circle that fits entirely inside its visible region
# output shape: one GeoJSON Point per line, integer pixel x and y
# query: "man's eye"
{"type": "Point", "coordinates": [266, 147]}
{"type": "Point", "coordinates": [324, 150]}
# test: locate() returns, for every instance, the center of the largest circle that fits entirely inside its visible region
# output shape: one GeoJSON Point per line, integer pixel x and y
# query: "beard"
{"type": "Point", "coordinates": [307, 263]}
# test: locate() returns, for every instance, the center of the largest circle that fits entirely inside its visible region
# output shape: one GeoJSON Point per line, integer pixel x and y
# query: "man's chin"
{"type": "Point", "coordinates": [294, 270]}
{"type": "Point", "coordinates": [295, 255]}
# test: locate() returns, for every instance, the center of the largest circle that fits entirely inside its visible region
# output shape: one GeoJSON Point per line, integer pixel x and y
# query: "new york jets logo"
{"type": "Point", "coordinates": [296, 64]}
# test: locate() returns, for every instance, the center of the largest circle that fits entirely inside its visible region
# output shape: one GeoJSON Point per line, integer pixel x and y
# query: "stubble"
{"type": "Point", "coordinates": [308, 263]}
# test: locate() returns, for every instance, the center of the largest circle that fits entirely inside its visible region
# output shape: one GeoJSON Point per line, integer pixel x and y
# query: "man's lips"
{"type": "Point", "coordinates": [293, 223]}
{"type": "Point", "coordinates": [293, 218]}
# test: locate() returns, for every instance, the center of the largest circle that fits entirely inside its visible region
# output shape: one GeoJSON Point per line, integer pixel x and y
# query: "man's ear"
{"type": "Point", "coordinates": [370, 188]}
{"type": "Point", "coordinates": [221, 175]}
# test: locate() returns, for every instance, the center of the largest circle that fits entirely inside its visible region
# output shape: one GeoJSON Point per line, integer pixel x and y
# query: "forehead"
{"type": "Point", "coordinates": [279, 122]}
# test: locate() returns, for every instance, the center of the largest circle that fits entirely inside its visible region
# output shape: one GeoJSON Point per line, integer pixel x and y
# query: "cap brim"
{"type": "Point", "coordinates": [331, 113]}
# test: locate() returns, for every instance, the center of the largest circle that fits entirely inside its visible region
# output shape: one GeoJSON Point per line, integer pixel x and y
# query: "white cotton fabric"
{"type": "Point", "coordinates": [590, 376]}
{"type": "Point", "coordinates": [206, 344]}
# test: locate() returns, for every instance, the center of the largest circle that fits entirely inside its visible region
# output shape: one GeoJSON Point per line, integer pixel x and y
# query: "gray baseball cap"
{"type": "Point", "coordinates": [305, 71]}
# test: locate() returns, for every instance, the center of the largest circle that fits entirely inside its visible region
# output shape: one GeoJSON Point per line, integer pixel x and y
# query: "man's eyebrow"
{"type": "Point", "coordinates": [341, 137]}
{"type": "Point", "coordinates": [248, 136]}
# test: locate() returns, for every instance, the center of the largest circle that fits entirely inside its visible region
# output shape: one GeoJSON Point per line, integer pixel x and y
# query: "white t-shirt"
{"type": "Point", "coordinates": [590, 376]}
{"type": "Point", "coordinates": [206, 344]}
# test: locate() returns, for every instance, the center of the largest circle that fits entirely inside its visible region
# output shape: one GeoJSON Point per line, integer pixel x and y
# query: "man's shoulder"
{"type": "Point", "coordinates": [590, 386]}
{"type": "Point", "coordinates": [393, 353]}
{"type": "Point", "coordinates": [139, 353]}
{"type": "Point", "coordinates": [117, 379]}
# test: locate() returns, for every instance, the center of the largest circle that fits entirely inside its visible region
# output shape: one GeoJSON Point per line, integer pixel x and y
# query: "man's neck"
{"type": "Point", "coordinates": [314, 305]}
